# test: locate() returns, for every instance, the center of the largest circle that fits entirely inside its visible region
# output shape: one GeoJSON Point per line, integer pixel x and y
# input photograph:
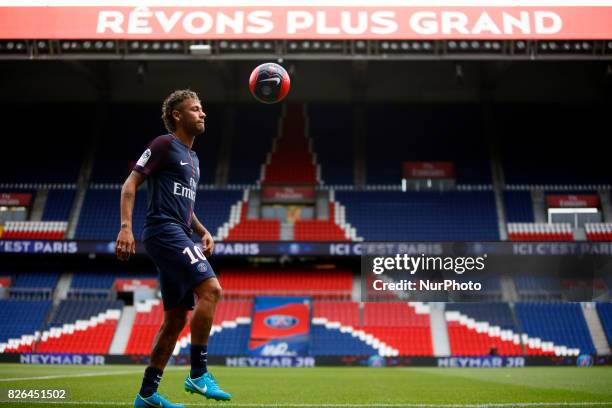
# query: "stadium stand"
{"type": "Point", "coordinates": [531, 286]}
{"type": "Point", "coordinates": [70, 311]}
{"type": "Point", "coordinates": [19, 321]}
{"type": "Point", "coordinates": [34, 285]}
{"type": "Point", "coordinates": [478, 329]}
{"type": "Point", "coordinates": [81, 326]}
{"type": "Point", "coordinates": [397, 133]}
{"type": "Point", "coordinates": [330, 126]}
{"type": "Point", "coordinates": [336, 330]}
{"type": "Point", "coordinates": [228, 337]}
{"type": "Point", "coordinates": [519, 207]}
{"type": "Point", "coordinates": [295, 140]}
{"type": "Point", "coordinates": [256, 127]}
{"type": "Point", "coordinates": [100, 216]}
{"type": "Point", "coordinates": [421, 216]}
{"type": "Point", "coordinates": [539, 232]}
{"type": "Point", "coordinates": [337, 284]}
{"type": "Point", "coordinates": [598, 232]}
{"type": "Point", "coordinates": [240, 228]}
{"type": "Point", "coordinates": [604, 310]}
{"type": "Point", "coordinates": [333, 340]}
{"type": "Point", "coordinates": [58, 205]}
{"type": "Point", "coordinates": [320, 230]}
{"type": "Point", "coordinates": [100, 284]}
{"type": "Point", "coordinates": [561, 323]}
{"type": "Point", "coordinates": [213, 207]}
{"type": "Point", "coordinates": [403, 326]}
{"type": "Point", "coordinates": [291, 160]}
{"type": "Point", "coordinates": [344, 312]}
{"type": "Point", "coordinates": [48, 230]}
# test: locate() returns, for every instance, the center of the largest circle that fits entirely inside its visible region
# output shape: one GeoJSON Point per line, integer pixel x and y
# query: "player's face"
{"type": "Point", "coordinates": [192, 116]}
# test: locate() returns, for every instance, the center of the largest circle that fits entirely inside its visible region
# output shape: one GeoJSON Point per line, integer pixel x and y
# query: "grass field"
{"type": "Point", "coordinates": [328, 387]}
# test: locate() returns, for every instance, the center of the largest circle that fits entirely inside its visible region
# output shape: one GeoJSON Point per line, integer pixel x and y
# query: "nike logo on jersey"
{"type": "Point", "coordinates": [182, 164]}
{"type": "Point", "coordinates": [277, 80]}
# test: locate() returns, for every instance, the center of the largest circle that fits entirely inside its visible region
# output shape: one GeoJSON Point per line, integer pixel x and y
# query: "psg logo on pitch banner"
{"type": "Point", "coordinates": [280, 321]}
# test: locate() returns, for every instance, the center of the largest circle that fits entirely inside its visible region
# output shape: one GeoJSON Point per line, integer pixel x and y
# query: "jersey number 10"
{"type": "Point", "coordinates": [198, 252]}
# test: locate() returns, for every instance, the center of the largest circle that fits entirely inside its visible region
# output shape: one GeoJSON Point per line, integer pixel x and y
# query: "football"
{"type": "Point", "coordinates": [269, 83]}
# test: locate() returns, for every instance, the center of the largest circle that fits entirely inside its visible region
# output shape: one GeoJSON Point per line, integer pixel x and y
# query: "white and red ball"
{"type": "Point", "coordinates": [269, 83]}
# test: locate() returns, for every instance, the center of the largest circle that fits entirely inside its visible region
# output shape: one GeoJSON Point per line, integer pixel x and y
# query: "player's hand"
{"type": "Point", "coordinates": [125, 245]}
{"type": "Point", "coordinates": [208, 244]}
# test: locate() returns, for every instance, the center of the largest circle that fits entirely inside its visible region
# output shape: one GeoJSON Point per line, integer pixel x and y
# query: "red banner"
{"type": "Point", "coordinates": [5, 281]}
{"type": "Point", "coordinates": [15, 199]}
{"type": "Point", "coordinates": [429, 170]}
{"type": "Point", "coordinates": [130, 285]}
{"type": "Point", "coordinates": [94, 20]}
{"type": "Point", "coordinates": [572, 201]}
{"type": "Point", "coordinates": [287, 193]}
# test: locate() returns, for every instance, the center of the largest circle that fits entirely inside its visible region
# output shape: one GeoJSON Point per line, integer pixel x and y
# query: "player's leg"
{"type": "Point", "coordinates": [163, 345]}
{"type": "Point", "coordinates": [200, 380]}
{"type": "Point", "coordinates": [208, 294]}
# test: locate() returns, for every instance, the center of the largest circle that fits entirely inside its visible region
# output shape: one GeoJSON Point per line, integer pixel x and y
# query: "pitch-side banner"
{"type": "Point", "coordinates": [31, 19]}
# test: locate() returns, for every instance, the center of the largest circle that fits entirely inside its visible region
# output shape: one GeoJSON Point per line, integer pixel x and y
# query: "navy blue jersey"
{"type": "Point", "coordinates": [173, 172]}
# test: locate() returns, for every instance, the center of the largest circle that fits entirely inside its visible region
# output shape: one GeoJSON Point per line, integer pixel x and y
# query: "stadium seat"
{"type": "Point", "coordinates": [561, 323]}
{"type": "Point", "coordinates": [45, 230]}
{"type": "Point", "coordinates": [20, 318]}
{"type": "Point", "coordinates": [599, 231]}
{"type": "Point", "coordinates": [421, 216]}
{"type": "Point", "coordinates": [540, 232]}
{"type": "Point", "coordinates": [604, 310]}
{"type": "Point", "coordinates": [491, 329]}
{"type": "Point", "coordinates": [81, 326]}
{"type": "Point", "coordinates": [149, 317]}
{"type": "Point", "coordinates": [58, 205]}
{"type": "Point", "coordinates": [324, 284]}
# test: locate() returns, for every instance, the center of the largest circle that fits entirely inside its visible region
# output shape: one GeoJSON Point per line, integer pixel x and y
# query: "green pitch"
{"type": "Point", "coordinates": [328, 387]}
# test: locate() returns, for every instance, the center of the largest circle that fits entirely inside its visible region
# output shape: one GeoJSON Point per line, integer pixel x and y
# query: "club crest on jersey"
{"type": "Point", "coordinates": [202, 267]}
{"type": "Point", "coordinates": [144, 158]}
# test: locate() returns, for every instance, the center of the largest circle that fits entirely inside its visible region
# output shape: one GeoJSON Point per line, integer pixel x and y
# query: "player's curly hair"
{"type": "Point", "coordinates": [171, 102]}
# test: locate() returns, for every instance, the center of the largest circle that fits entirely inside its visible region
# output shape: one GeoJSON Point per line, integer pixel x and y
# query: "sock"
{"type": "Point", "coordinates": [199, 357]}
{"type": "Point", "coordinates": [150, 381]}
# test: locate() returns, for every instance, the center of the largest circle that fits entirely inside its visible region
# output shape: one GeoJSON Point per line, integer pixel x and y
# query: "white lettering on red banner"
{"type": "Point", "coordinates": [288, 193]}
{"type": "Point", "coordinates": [572, 200]}
{"type": "Point", "coordinates": [333, 22]}
{"type": "Point", "coordinates": [15, 199]}
{"type": "Point", "coordinates": [131, 285]}
{"type": "Point", "coordinates": [428, 170]}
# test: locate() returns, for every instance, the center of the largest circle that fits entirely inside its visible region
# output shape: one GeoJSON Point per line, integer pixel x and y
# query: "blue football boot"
{"type": "Point", "coordinates": [207, 386]}
{"type": "Point", "coordinates": [154, 401]}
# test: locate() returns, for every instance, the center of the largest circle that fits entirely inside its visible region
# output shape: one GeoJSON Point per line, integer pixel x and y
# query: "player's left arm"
{"type": "Point", "coordinates": [207, 240]}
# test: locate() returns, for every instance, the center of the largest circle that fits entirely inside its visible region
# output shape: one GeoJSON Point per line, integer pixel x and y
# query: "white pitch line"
{"type": "Point", "coordinates": [54, 377]}
{"type": "Point", "coordinates": [493, 405]}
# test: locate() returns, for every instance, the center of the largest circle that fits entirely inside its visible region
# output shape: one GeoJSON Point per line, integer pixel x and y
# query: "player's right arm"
{"type": "Point", "coordinates": [126, 245]}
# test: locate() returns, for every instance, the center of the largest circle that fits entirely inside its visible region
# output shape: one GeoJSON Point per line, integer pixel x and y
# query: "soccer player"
{"type": "Point", "coordinates": [188, 282]}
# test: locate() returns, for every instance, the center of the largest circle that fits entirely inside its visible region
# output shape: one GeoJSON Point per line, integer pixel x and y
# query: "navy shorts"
{"type": "Point", "coordinates": [180, 266]}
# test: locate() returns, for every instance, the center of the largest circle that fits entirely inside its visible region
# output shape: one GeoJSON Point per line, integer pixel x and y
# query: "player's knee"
{"type": "Point", "coordinates": [215, 292]}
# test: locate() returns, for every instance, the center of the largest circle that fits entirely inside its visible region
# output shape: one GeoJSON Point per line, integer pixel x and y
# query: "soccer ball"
{"type": "Point", "coordinates": [269, 83]}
